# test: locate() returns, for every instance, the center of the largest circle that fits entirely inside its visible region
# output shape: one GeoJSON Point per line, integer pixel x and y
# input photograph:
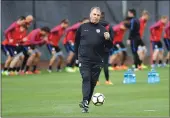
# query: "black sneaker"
{"type": "Point", "coordinates": [85, 110]}
{"type": "Point", "coordinates": [84, 106]}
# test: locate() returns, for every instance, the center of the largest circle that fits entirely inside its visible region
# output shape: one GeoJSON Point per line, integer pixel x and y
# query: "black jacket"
{"type": "Point", "coordinates": [90, 43]}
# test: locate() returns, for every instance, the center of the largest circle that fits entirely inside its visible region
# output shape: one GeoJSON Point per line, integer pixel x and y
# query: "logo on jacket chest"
{"type": "Point", "coordinates": [98, 30]}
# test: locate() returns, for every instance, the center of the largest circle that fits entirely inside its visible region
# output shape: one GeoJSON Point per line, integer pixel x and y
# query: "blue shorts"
{"type": "Point", "coordinates": [4, 49]}
{"type": "Point", "coordinates": [69, 47]}
{"type": "Point", "coordinates": [113, 50]}
{"type": "Point", "coordinates": [51, 48]}
{"type": "Point", "coordinates": [12, 50]}
{"type": "Point", "coordinates": [157, 45]}
{"type": "Point", "coordinates": [167, 43]}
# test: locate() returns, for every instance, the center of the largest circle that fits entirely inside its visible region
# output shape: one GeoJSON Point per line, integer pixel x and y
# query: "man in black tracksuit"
{"type": "Point", "coordinates": [134, 36]}
{"type": "Point", "coordinates": [90, 42]}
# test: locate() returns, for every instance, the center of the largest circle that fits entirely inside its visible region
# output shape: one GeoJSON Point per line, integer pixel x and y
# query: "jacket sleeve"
{"type": "Point", "coordinates": [77, 41]}
{"type": "Point", "coordinates": [132, 23]}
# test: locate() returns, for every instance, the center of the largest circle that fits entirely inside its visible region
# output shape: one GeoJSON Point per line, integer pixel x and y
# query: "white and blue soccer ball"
{"type": "Point", "coordinates": [98, 99]}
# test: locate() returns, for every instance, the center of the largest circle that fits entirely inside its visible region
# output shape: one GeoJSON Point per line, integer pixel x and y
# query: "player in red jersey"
{"type": "Point", "coordinates": [18, 57]}
{"type": "Point", "coordinates": [167, 41]}
{"type": "Point", "coordinates": [35, 38]}
{"type": "Point", "coordinates": [142, 49]}
{"type": "Point", "coordinates": [7, 44]}
{"type": "Point", "coordinates": [156, 31]}
{"type": "Point", "coordinates": [53, 44]}
{"type": "Point", "coordinates": [118, 50]}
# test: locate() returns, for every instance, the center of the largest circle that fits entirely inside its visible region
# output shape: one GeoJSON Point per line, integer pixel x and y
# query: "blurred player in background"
{"type": "Point", "coordinates": [35, 38]}
{"type": "Point", "coordinates": [156, 31]}
{"type": "Point", "coordinates": [142, 49]}
{"type": "Point", "coordinates": [18, 58]}
{"type": "Point", "coordinates": [134, 38]}
{"type": "Point", "coordinates": [53, 45]}
{"type": "Point", "coordinates": [8, 45]}
{"type": "Point", "coordinates": [167, 42]}
{"type": "Point", "coordinates": [118, 52]}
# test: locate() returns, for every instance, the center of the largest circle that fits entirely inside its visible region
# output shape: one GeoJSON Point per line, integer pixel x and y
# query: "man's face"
{"type": "Point", "coordinates": [146, 17]}
{"type": "Point", "coordinates": [95, 16]}
{"type": "Point", "coordinates": [43, 33]}
{"type": "Point", "coordinates": [130, 14]}
{"type": "Point", "coordinates": [22, 22]}
{"type": "Point", "coordinates": [65, 25]}
{"type": "Point", "coordinates": [165, 20]}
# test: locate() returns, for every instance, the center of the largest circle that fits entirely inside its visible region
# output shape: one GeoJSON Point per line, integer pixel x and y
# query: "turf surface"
{"type": "Point", "coordinates": [58, 94]}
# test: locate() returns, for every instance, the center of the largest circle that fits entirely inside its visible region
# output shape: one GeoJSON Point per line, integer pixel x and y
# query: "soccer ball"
{"type": "Point", "coordinates": [98, 99]}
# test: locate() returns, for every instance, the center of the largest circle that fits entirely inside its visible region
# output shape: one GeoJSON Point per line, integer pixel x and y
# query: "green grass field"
{"type": "Point", "coordinates": [58, 94]}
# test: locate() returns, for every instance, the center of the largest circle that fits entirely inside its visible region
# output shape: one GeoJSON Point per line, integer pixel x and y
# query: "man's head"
{"type": "Point", "coordinates": [45, 31]}
{"type": "Point", "coordinates": [145, 15]}
{"type": "Point", "coordinates": [131, 13]}
{"type": "Point", "coordinates": [164, 19]}
{"type": "Point", "coordinates": [64, 23]}
{"type": "Point", "coordinates": [29, 19]}
{"type": "Point", "coordinates": [126, 22]}
{"type": "Point", "coordinates": [95, 15]}
{"type": "Point", "coordinates": [21, 20]}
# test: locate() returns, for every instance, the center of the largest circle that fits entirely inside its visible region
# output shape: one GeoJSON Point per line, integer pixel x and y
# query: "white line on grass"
{"type": "Point", "coordinates": [149, 110]}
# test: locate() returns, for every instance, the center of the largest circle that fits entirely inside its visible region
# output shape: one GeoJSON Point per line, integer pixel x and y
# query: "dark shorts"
{"type": "Point", "coordinates": [66, 47]}
{"type": "Point", "coordinates": [113, 50]}
{"type": "Point", "coordinates": [12, 50]}
{"type": "Point", "coordinates": [135, 44]}
{"type": "Point", "coordinates": [53, 48]}
{"type": "Point", "coordinates": [71, 47]}
{"type": "Point", "coordinates": [121, 45]}
{"type": "Point", "coordinates": [157, 45]}
{"type": "Point", "coordinates": [167, 43]}
{"type": "Point", "coordinates": [4, 49]}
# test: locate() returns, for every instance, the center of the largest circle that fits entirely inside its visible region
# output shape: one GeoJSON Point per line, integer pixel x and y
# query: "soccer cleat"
{"type": "Point", "coordinates": [124, 67]}
{"type": "Point", "coordinates": [29, 73]}
{"type": "Point", "coordinates": [21, 73]}
{"type": "Point", "coordinates": [84, 106]}
{"type": "Point", "coordinates": [110, 68]}
{"type": "Point", "coordinates": [6, 73]}
{"type": "Point", "coordinates": [77, 68]}
{"type": "Point", "coordinates": [98, 83]}
{"type": "Point", "coordinates": [108, 82]}
{"type": "Point", "coordinates": [59, 70]}
{"type": "Point", "coordinates": [144, 66]}
{"type": "Point", "coordinates": [153, 66]}
{"type": "Point", "coordinates": [11, 73]}
{"type": "Point", "coordinates": [50, 71]}
{"type": "Point", "coordinates": [136, 69]}
{"type": "Point", "coordinates": [140, 67]}
{"type": "Point", "coordinates": [117, 68]}
{"type": "Point", "coordinates": [69, 69]}
{"type": "Point", "coordinates": [37, 72]}
{"type": "Point", "coordinates": [84, 110]}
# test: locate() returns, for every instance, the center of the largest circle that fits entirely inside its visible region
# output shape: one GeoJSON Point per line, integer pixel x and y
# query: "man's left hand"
{"type": "Point", "coordinates": [106, 35]}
